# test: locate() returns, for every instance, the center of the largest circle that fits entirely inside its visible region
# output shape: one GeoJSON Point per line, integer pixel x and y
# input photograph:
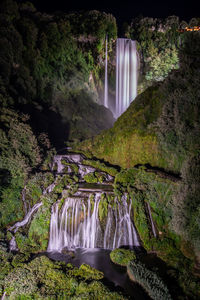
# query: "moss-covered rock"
{"type": "Point", "coordinates": [112, 170]}
{"type": "Point", "coordinates": [131, 136]}
{"type": "Point", "coordinates": [122, 256]}
{"type": "Point", "coordinates": [86, 272]}
{"type": "Point", "coordinates": [90, 178]}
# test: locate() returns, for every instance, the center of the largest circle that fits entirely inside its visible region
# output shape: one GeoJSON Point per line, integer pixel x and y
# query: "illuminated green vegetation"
{"type": "Point", "coordinates": [158, 43]}
{"type": "Point", "coordinates": [51, 81]}
{"type": "Point", "coordinates": [41, 279]}
{"type": "Point", "coordinates": [122, 256]}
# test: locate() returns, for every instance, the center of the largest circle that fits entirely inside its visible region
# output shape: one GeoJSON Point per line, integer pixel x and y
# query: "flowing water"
{"type": "Point", "coordinates": [106, 76]}
{"type": "Point", "coordinates": [77, 224]}
{"type": "Point", "coordinates": [126, 74]}
{"type": "Point", "coordinates": [151, 219]}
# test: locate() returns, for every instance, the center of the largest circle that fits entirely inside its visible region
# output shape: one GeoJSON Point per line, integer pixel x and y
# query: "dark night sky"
{"type": "Point", "coordinates": [124, 10]}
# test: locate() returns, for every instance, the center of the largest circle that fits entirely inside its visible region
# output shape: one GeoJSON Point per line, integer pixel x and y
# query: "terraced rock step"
{"type": "Point", "coordinates": [95, 187]}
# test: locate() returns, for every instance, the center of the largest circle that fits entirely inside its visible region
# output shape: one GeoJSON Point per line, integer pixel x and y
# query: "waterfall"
{"type": "Point", "coordinates": [106, 76]}
{"type": "Point", "coordinates": [126, 74]}
{"type": "Point", "coordinates": [151, 219]}
{"type": "Point", "coordinates": [26, 219]}
{"type": "Point", "coordinates": [77, 224]}
{"type": "Point", "coordinates": [125, 232]}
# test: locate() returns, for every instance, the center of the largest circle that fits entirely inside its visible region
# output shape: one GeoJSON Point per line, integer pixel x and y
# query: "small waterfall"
{"type": "Point", "coordinates": [26, 219]}
{"type": "Point", "coordinates": [126, 74]}
{"type": "Point", "coordinates": [125, 232]}
{"type": "Point", "coordinates": [151, 219]}
{"type": "Point", "coordinates": [106, 76]}
{"type": "Point", "coordinates": [77, 224]}
{"type": "Point", "coordinates": [29, 214]}
{"type": "Point", "coordinates": [16, 226]}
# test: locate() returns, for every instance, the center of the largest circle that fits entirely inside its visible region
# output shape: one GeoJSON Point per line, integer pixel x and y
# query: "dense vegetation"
{"type": "Point", "coordinates": [43, 279]}
{"type": "Point", "coordinates": [48, 72]}
{"type": "Point", "coordinates": [158, 43]}
{"type": "Point", "coordinates": [51, 83]}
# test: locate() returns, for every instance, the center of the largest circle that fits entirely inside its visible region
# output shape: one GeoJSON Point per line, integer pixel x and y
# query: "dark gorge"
{"type": "Point", "coordinates": [99, 156]}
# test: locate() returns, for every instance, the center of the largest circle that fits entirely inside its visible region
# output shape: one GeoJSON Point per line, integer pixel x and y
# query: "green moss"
{"type": "Point", "coordinates": [20, 281]}
{"type": "Point", "coordinates": [100, 177]}
{"type": "Point", "coordinates": [23, 243]}
{"type": "Point", "coordinates": [86, 272]}
{"type": "Point", "coordinates": [19, 259]}
{"type": "Point", "coordinates": [103, 208]}
{"type": "Point", "coordinates": [90, 178]}
{"type": "Point", "coordinates": [140, 219]}
{"type": "Point", "coordinates": [122, 256]}
{"type": "Point", "coordinates": [132, 135]}
{"type": "Point", "coordinates": [73, 167]}
{"type": "Point", "coordinates": [38, 233]}
{"type": "Point", "coordinates": [112, 170]}
{"type": "Point", "coordinates": [5, 265]}
{"type": "Point", "coordinates": [96, 290]}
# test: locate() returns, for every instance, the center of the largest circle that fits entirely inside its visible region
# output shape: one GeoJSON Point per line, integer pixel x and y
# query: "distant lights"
{"type": "Point", "coordinates": [194, 28]}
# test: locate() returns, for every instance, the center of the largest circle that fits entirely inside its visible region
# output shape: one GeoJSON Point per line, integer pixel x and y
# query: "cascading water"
{"type": "Point", "coordinates": [124, 233]}
{"type": "Point", "coordinates": [77, 224]}
{"type": "Point", "coordinates": [151, 219]}
{"type": "Point", "coordinates": [106, 76]}
{"type": "Point", "coordinates": [126, 74]}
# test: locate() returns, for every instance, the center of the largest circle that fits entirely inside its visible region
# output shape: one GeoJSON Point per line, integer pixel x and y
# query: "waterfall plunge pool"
{"type": "Point", "coordinates": [115, 277]}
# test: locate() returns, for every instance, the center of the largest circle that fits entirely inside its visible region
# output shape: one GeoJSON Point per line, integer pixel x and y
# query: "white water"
{"type": "Point", "coordinates": [13, 244]}
{"type": "Point", "coordinates": [124, 233]}
{"type": "Point", "coordinates": [16, 226]}
{"type": "Point", "coordinates": [106, 76]}
{"type": "Point", "coordinates": [126, 74]}
{"type": "Point", "coordinates": [4, 295]}
{"type": "Point", "coordinates": [151, 219]}
{"type": "Point", "coordinates": [77, 225]}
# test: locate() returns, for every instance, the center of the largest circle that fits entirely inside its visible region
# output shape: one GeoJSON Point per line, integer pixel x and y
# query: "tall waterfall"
{"type": "Point", "coordinates": [126, 74]}
{"type": "Point", "coordinates": [106, 76]}
{"type": "Point", "coordinates": [77, 224]}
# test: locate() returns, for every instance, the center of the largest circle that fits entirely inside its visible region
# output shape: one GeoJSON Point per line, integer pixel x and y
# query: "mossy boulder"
{"type": "Point", "coordinates": [90, 178]}
{"type": "Point", "coordinates": [86, 272]}
{"type": "Point", "coordinates": [122, 256]}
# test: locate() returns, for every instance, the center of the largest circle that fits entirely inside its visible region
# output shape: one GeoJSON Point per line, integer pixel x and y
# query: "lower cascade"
{"type": "Point", "coordinates": [77, 223]}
